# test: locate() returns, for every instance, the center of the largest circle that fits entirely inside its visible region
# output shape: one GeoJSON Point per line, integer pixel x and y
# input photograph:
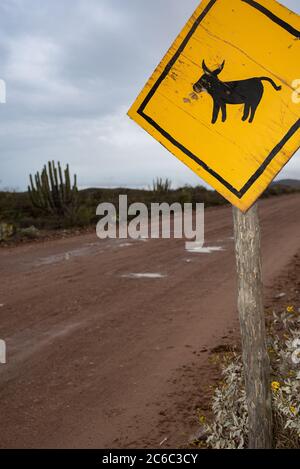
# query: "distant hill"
{"type": "Point", "coordinates": [293, 183]}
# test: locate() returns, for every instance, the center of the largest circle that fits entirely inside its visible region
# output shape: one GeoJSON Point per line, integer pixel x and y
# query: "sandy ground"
{"type": "Point", "coordinates": [100, 358]}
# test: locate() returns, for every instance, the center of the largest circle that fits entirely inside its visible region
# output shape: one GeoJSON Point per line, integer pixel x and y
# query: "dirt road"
{"type": "Point", "coordinates": [100, 358]}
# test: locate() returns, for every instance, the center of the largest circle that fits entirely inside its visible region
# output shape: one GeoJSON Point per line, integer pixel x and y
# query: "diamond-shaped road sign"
{"type": "Point", "coordinates": [224, 99]}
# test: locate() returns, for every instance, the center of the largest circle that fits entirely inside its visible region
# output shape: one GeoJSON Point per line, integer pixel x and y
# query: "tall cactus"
{"type": "Point", "coordinates": [52, 193]}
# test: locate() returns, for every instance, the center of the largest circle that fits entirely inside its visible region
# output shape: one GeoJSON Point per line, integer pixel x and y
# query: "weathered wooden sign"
{"type": "Point", "coordinates": [223, 101]}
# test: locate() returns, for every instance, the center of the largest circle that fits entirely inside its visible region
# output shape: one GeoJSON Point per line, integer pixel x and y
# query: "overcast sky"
{"type": "Point", "coordinates": [73, 68]}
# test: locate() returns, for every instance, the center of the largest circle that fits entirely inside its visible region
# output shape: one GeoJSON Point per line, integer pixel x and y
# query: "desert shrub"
{"type": "Point", "coordinates": [6, 231]}
{"type": "Point", "coordinates": [229, 426]}
{"type": "Point", "coordinates": [29, 233]}
{"type": "Point", "coordinates": [84, 216]}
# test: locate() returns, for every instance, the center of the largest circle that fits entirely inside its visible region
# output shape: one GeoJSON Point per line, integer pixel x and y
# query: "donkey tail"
{"type": "Point", "coordinates": [277, 88]}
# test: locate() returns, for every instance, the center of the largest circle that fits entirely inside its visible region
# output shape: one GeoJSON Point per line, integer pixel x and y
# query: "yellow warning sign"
{"type": "Point", "coordinates": [224, 99]}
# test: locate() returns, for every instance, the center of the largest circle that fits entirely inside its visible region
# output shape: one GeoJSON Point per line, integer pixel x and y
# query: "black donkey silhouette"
{"type": "Point", "coordinates": [248, 92]}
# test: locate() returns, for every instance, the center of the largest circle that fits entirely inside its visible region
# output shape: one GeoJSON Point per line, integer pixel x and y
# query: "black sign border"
{"type": "Point", "coordinates": [276, 149]}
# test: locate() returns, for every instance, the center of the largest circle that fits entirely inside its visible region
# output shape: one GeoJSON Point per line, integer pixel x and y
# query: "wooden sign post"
{"type": "Point", "coordinates": [252, 325]}
{"type": "Point", "coordinates": [222, 101]}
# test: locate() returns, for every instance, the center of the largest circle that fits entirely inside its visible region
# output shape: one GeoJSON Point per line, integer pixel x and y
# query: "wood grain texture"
{"type": "Point", "coordinates": [252, 324]}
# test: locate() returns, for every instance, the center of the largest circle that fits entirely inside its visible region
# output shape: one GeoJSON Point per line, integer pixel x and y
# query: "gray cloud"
{"type": "Point", "coordinates": [72, 70]}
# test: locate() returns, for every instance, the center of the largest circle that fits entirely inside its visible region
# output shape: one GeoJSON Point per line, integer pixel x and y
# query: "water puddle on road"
{"type": "Point", "coordinates": [65, 256]}
{"type": "Point", "coordinates": [205, 250]}
{"type": "Point", "coordinates": [86, 250]}
{"type": "Point", "coordinates": [141, 276]}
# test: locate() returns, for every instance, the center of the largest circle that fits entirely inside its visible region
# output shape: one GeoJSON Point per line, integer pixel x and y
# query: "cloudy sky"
{"type": "Point", "coordinates": [72, 69]}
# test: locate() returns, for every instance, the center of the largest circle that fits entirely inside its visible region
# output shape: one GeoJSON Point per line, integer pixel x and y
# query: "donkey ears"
{"type": "Point", "coordinates": [219, 70]}
{"type": "Point", "coordinates": [215, 72]}
{"type": "Point", "coordinates": [205, 68]}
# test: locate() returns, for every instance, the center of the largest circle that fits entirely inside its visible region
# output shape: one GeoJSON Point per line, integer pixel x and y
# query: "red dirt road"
{"type": "Point", "coordinates": [101, 360]}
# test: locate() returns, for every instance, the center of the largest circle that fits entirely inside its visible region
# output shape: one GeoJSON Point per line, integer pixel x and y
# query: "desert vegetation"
{"type": "Point", "coordinates": [52, 202]}
{"type": "Point", "coordinates": [51, 192]}
{"type": "Point", "coordinates": [227, 427]}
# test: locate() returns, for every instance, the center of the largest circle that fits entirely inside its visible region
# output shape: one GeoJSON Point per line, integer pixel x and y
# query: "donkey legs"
{"type": "Point", "coordinates": [246, 112]}
{"type": "Point", "coordinates": [224, 112]}
{"type": "Point", "coordinates": [254, 106]}
{"type": "Point", "coordinates": [216, 111]}
{"type": "Point", "coordinates": [253, 112]}
{"type": "Point", "coordinates": [250, 108]}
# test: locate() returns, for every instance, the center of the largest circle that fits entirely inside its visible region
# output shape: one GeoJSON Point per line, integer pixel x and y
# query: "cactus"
{"type": "Point", "coordinates": [52, 193]}
{"type": "Point", "coordinates": [160, 185]}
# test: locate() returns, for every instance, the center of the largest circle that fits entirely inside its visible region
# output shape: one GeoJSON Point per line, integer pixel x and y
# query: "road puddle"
{"type": "Point", "coordinates": [66, 256]}
{"type": "Point", "coordinates": [141, 276]}
{"type": "Point", "coordinates": [205, 250]}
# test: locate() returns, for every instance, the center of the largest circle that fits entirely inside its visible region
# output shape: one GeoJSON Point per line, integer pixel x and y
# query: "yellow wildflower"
{"type": "Point", "coordinates": [290, 309]}
{"type": "Point", "coordinates": [275, 385]}
{"type": "Point", "coordinates": [293, 409]}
